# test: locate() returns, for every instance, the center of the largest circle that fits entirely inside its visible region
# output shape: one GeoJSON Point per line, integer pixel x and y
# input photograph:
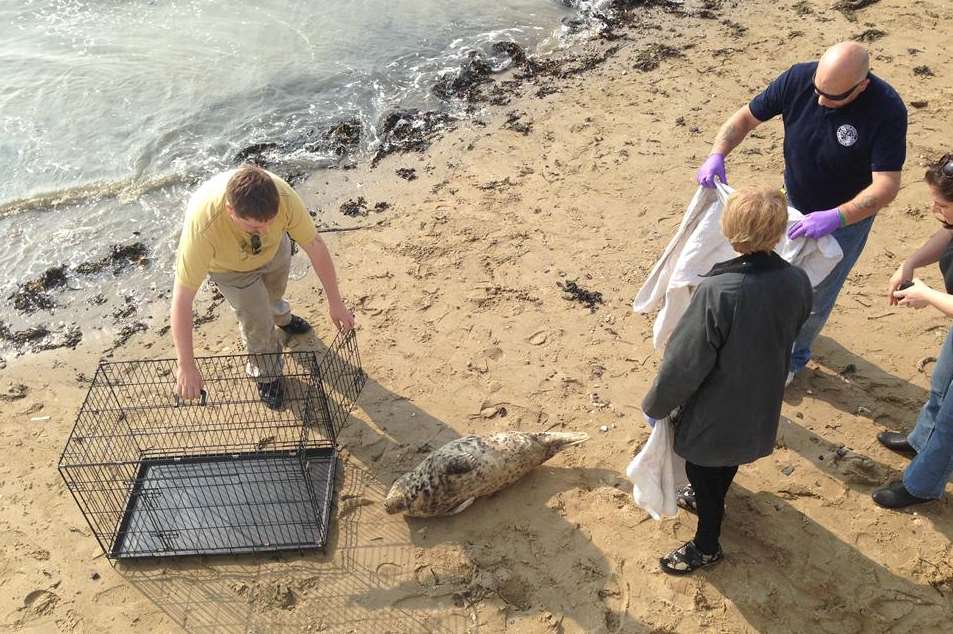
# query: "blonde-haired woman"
{"type": "Point", "coordinates": [726, 363]}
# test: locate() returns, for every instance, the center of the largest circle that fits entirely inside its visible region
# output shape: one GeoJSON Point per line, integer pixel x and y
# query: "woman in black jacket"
{"type": "Point", "coordinates": [726, 363]}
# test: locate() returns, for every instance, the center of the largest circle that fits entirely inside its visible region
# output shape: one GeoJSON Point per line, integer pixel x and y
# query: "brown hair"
{"type": "Point", "coordinates": [940, 175]}
{"type": "Point", "coordinates": [754, 219]}
{"type": "Point", "coordinates": [251, 193]}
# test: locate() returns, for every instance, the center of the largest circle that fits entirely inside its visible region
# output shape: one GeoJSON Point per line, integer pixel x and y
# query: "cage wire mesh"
{"type": "Point", "coordinates": [155, 476]}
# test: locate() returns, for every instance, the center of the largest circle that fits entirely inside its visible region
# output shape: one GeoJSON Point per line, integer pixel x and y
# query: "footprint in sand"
{"type": "Point", "coordinates": [39, 603]}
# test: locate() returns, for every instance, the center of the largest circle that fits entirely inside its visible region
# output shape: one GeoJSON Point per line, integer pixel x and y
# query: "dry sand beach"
{"type": "Point", "coordinates": [464, 329]}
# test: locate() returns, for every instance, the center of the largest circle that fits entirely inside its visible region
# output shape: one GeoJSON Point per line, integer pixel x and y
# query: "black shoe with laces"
{"type": "Point", "coordinates": [297, 326]}
{"type": "Point", "coordinates": [272, 394]}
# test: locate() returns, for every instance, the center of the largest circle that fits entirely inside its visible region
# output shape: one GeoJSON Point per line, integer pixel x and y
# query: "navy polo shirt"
{"type": "Point", "coordinates": [829, 153]}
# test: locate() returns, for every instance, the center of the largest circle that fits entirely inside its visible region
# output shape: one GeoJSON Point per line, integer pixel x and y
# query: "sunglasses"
{"type": "Point", "coordinates": [840, 97]}
{"type": "Point", "coordinates": [947, 166]}
{"type": "Point", "coordinates": [255, 244]}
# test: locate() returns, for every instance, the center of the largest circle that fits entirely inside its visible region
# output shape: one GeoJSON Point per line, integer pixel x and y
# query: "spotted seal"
{"type": "Point", "coordinates": [452, 477]}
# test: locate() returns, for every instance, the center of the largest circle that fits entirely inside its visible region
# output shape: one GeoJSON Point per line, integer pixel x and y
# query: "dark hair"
{"type": "Point", "coordinates": [940, 175]}
{"type": "Point", "coordinates": [252, 194]}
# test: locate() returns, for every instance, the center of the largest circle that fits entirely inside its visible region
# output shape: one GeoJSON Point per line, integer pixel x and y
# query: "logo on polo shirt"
{"type": "Point", "coordinates": [847, 135]}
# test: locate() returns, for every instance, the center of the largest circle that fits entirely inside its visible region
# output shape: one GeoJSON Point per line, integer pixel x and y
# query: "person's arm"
{"type": "Point", "coordinates": [880, 193]}
{"type": "Point", "coordinates": [920, 295]}
{"type": "Point", "coordinates": [689, 357]}
{"type": "Point", "coordinates": [734, 131]}
{"type": "Point", "coordinates": [926, 255]}
{"type": "Point", "coordinates": [819, 223]}
{"type": "Point", "coordinates": [188, 378]}
{"type": "Point", "coordinates": [324, 266]}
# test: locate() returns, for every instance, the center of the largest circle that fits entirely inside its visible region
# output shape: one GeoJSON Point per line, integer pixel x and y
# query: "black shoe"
{"type": "Point", "coordinates": [272, 394]}
{"type": "Point", "coordinates": [896, 442]}
{"type": "Point", "coordinates": [687, 558]}
{"type": "Point", "coordinates": [296, 326]}
{"type": "Point", "coordinates": [896, 496]}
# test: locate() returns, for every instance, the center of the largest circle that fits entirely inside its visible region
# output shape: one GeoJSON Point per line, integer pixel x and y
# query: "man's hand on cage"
{"type": "Point", "coordinates": [189, 381]}
{"type": "Point", "coordinates": [341, 316]}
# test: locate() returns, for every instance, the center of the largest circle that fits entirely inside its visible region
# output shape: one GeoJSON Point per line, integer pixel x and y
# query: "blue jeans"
{"type": "Point", "coordinates": [927, 474]}
{"type": "Point", "coordinates": [851, 239]}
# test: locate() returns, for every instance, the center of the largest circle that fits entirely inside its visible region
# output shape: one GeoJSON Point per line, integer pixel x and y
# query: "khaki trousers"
{"type": "Point", "coordinates": [257, 297]}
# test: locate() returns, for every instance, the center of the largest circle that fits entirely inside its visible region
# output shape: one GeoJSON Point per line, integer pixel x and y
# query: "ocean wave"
{"type": "Point", "coordinates": [123, 190]}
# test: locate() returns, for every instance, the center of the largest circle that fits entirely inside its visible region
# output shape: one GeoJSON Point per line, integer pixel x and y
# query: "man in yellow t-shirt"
{"type": "Point", "coordinates": [236, 233]}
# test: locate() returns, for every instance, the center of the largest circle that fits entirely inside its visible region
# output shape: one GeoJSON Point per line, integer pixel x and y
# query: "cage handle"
{"type": "Point", "coordinates": [204, 396]}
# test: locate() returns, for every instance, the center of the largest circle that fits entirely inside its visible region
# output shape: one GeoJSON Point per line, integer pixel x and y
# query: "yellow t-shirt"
{"type": "Point", "coordinates": [212, 243]}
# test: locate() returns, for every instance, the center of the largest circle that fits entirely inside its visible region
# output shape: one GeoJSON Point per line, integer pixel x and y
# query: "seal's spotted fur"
{"type": "Point", "coordinates": [449, 479]}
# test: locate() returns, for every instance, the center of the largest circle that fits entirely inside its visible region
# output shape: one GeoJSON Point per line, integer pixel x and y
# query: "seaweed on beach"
{"type": "Point", "coordinates": [32, 295]}
{"type": "Point", "coordinates": [608, 17]}
{"type": "Point", "coordinates": [846, 6]}
{"type": "Point", "coordinates": [514, 51]}
{"type": "Point", "coordinates": [344, 136]}
{"type": "Point", "coordinates": [127, 331]}
{"type": "Point", "coordinates": [39, 338]}
{"type": "Point", "coordinates": [573, 292]}
{"type": "Point", "coordinates": [870, 35]}
{"type": "Point", "coordinates": [651, 58]}
{"type": "Point", "coordinates": [515, 123]}
{"type": "Point", "coordinates": [409, 131]}
{"type": "Point", "coordinates": [255, 153]}
{"type": "Point", "coordinates": [120, 257]}
{"type": "Point", "coordinates": [355, 208]}
{"type": "Point", "coordinates": [463, 82]}
{"type": "Point", "coordinates": [802, 8]}
{"type": "Point", "coordinates": [407, 173]}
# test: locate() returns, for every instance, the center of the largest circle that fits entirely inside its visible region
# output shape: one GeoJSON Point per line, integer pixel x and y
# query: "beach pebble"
{"type": "Point", "coordinates": [604, 428]}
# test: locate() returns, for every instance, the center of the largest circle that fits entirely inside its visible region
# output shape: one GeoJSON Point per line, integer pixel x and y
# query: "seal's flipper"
{"type": "Point", "coordinates": [460, 464]}
{"type": "Point", "coordinates": [462, 507]}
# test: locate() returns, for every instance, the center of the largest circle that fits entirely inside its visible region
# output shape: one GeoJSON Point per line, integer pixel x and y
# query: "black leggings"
{"type": "Point", "coordinates": [710, 485]}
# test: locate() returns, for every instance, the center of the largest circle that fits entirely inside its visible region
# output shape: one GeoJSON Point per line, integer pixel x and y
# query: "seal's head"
{"type": "Point", "coordinates": [397, 499]}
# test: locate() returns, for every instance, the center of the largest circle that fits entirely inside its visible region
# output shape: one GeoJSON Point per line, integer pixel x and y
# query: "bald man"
{"type": "Point", "coordinates": [845, 135]}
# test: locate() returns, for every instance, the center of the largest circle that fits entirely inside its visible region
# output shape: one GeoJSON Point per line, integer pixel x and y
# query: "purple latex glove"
{"type": "Point", "coordinates": [817, 224]}
{"type": "Point", "coordinates": [713, 166]}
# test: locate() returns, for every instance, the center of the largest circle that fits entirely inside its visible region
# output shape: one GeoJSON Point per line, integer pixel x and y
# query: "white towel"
{"type": "Point", "coordinates": [699, 244]}
{"type": "Point", "coordinates": [657, 472]}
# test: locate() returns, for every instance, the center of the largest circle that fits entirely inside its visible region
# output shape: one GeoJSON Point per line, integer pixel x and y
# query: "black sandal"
{"type": "Point", "coordinates": [685, 498]}
{"type": "Point", "coordinates": [687, 558]}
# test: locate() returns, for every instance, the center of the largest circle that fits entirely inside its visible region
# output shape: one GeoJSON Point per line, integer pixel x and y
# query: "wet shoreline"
{"type": "Point", "coordinates": [482, 84]}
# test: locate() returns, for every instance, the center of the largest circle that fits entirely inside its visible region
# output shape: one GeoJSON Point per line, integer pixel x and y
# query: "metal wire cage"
{"type": "Point", "coordinates": [155, 476]}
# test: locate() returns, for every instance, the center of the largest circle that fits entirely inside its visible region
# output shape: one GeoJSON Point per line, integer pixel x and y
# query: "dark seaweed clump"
{"type": "Point", "coordinates": [464, 82]}
{"type": "Point", "coordinates": [575, 293]}
{"type": "Point", "coordinates": [120, 257]}
{"type": "Point", "coordinates": [409, 131]}
{"type": "Point", "coordinates": [33, 295]}
{"type": "Point", "coordinates": [355, 208]}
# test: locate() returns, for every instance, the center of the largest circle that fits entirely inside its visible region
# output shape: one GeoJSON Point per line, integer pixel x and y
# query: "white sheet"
{"type": "Point", "coordinates": [699, 244]}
